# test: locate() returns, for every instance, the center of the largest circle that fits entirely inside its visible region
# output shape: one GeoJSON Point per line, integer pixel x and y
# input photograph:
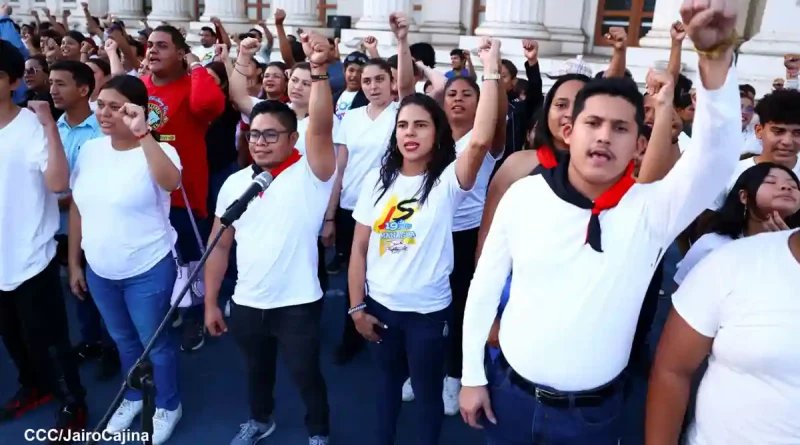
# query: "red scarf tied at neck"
{"type": "Point", "coordinates": [288, 162]}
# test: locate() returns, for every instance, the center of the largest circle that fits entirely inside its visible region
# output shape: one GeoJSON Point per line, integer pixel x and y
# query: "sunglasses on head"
{"type": "Point", "coordinates": [356, 58]}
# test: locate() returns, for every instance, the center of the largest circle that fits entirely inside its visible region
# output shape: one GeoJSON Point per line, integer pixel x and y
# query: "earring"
{"type": "Point", "coordinates": [744, 217]}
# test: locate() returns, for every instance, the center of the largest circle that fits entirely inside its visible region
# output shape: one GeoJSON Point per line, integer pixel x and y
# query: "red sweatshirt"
{"type": "Point", "coordinates": [180, 112]}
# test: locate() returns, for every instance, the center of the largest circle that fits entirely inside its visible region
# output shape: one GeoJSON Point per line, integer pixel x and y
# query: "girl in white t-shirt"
{"type": "Point", "coordinates": [402, 252]}
{"type": "Point", "coordinates": [739, 307]}
{"type": "Point", "coordinates": [120, 188]}
{"type": "Point", "coordinates": [760, 201]}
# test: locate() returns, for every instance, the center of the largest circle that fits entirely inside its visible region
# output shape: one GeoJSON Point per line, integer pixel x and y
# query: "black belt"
{"type": "Point", "coordinates": [559, 399]}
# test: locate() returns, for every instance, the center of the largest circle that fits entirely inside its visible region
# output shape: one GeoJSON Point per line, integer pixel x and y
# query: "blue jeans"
{"type": "Point", "coordinates": [413, 345]}
{"type": "Point", "coordinates": [524, 420]}
{"type": "Point", "coordinates": [91, 324]}
{"type": "Point", "coordinates": [132, 309]}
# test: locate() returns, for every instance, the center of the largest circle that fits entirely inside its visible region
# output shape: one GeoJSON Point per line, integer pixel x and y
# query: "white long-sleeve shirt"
{"type": "Point", "coordinates": [572, 311]}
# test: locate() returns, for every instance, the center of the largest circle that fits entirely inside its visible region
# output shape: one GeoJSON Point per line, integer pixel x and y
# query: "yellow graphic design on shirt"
{"type": "Point", "coordinates": [394, 226]}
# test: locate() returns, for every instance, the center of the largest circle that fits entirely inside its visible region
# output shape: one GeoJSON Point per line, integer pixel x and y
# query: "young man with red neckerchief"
{"type": "Point", "coordinates": [277, 302]}
{"type": "Point", "coordinates": [577, 289]}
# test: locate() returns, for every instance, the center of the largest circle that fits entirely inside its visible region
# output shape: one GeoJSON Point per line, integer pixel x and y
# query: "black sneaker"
{"type": "Point", "coordinates": [335, 266]}
{"type": "Point", "coordinates": [194, 335]}
{"type": "Point", "coordinates": [85, 352]}
{"type": "Point", "coordinates": [26, 399]}
{"type": "Point", "coordinates": [71, 419]}
{"type": "Point", "coordinates": [109, 365]}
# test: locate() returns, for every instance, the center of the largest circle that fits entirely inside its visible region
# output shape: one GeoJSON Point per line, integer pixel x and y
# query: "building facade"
{"type": "Point", "coordinates": [564, 28]}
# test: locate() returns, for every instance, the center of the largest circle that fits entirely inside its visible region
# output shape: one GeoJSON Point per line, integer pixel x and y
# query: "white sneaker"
{"type": "Point", "coordinates": [164, 423]}
{"type": "Point", "coordinates": [452, 387]}
{"type": "Point", "coordinates": [408, 391]}
{"type": "Point", "coordinates": [124, 415]}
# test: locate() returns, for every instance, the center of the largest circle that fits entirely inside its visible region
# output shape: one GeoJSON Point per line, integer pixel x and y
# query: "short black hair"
{"type": "Point", "coordinates": [76, 36]}
{"type": "Point", "coordinates": [749, 89]}
{"type": "Point", "coordinates": [129, 86]}
{"type": "Point", "coordinates": [298, 54]}
{"type": "Point", "coordinates": [615, 87]}
{"type": "Point", "coordinates": [512, 69]}
{"type": "Point", "coordinates": [42, 61]}
{"type": "Point", "coordinates": [209, 29]}
{"type": "Point", "coordinates": [51, 34]}
{"type": "Point", "coordinates": [779, 107]}
{"type": "Point", "coordinates": [102, 64]}
{"type": "Point", "coordinates": [12, 62]}
{"type": "Point", "coordinates": [285, 115]}
{"type": "Point", "coordinates": [256, 30]}
{"type": "Point", "coordinates": [683, 101]}
{"type": "Point", "coordinates": [177, 38]}
{"type": "Point", "coordinates": [457, 52]}
{"type": "Point", "coordinates": [81, 72]}
{"type": "Point", "coordinates": [425, 53]}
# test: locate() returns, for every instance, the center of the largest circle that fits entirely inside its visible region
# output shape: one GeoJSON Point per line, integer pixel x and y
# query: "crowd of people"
{"type": "Point", "coordinates": [511, 256]}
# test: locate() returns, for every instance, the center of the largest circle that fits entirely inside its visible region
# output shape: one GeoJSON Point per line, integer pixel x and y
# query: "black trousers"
{"type": "Point", "coordinates": [296, 331]}
{"type": "Point", "coordinates": [33, 324]}
{"type": "Point", "coordinates": [465, 243]}
{"type": "Point", "coordinates": [322, 273]}
{"type": "Point", "coordinates": [345, 229]}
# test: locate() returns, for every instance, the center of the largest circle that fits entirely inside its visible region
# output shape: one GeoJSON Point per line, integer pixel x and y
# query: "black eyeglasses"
{"type": "Point", "coordinates": [270, 136]}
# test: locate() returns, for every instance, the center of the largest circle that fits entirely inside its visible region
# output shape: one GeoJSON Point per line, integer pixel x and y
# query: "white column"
{"type": "Point", "coordinates": [171, 11]}
{"type": "Point", "coordinates": [377, 12]}
{"type": "Point", "coordinates": [228, 11]}
{"type": "Point", "coordinates": [299, 13]}
{"type": "Point", "coordinates": [127, 10]}
{"type": "Point", "coordinates": [563, 20]}
{"type": "Point", "coordinates": [514, 18]}
{"type": "Point", "coordinates": [439, 17]}
{"type": "Point", "coordinates": [780, 30]}
{"type": "Point", "coordinates": [98, 8]}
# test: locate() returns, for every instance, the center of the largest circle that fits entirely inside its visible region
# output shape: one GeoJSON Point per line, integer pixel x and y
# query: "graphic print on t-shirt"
{"type": "Point", "coordinates": [395, 227]}
{"type": "Point", "coordinates": [156, 112]}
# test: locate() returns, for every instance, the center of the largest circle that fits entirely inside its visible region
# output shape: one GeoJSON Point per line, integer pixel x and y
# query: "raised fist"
{"type": "Point", "coordinates": [677, 31]}
{"type": "Point", "coordinates": [709, 23]}
{"type": "Point", "coordinates": [618, 37]}
{"type": "Point", "coordinates": [530, 49]}
{"type": "Point", "coordinates": [317, 48]}
{"type": "Point", "coordinates": [399, 23]}
{"type": "Point", "coordinates": [249, 47]}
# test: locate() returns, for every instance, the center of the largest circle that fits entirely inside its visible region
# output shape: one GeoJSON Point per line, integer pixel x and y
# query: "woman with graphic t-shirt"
{"type": "Point", "coordinates": [361, 140]}
{"type": "Point", "coordinates": [461, 96]}
{"type": "Point", "coordinates": [119, 218]}
{"type": "Point", "coordinates": [764, 199]}
{"type": "Point", "coordinates": [402, 252]}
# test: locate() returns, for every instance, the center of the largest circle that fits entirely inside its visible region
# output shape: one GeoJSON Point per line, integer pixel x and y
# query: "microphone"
{"type": "Point", "coordinates": [235, 210]}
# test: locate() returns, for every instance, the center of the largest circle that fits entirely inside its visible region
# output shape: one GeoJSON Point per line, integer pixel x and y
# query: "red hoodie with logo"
{"type": "Point", "coordinates": [181, 112]}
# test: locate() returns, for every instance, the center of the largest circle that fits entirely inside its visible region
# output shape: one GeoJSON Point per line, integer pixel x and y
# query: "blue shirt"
{"type": "Point", "coordinates": [72, 138]}
{"type": "Point", "coordinates": [336, 75]}
{"type": "Point", "coordinates": [503, 302]}
{"type": "Point", "coordinates": [451, 74]}
{"type": "Point", "coordinates": [10, 34]}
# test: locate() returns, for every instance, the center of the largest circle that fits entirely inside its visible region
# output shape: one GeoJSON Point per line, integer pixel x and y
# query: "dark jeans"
{"type": "Point", "coordinates": [414, 345]}
{"type": "Point", "coordinates": [33, 324]}
{"type": "Point", "coordinates": [133, 308]}
{"type": "Point", "coordinates": [465, 243]}
{"type": "Point", "coordinates": [296, 330]}
{"type": "Point", "coordinates": [345, 227]}
{"type": "Point", "coordinates": [187, 247]}
{"type": "Point", "coordinates": [524, 420]}
{"type": "Point", "coordinates": [215, 182]}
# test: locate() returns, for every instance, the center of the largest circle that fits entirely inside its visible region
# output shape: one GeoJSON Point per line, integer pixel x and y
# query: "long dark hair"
{"type": "Point", "coordinates": [731, 219]}
{"type": "Point", "coordinates": [542, 135]}
{"type": "Point", "coordinates": [444, 153]}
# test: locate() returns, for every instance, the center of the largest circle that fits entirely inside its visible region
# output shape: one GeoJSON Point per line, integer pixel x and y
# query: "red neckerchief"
{"type": "Point", "coordinates": [288, 162]}
{"type": "Point", "coordinates": [556, 178]}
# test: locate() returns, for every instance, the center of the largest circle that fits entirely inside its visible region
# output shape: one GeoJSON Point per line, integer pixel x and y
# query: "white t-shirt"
{"type": "Point", "coordinates": [366, 142]}
{"type": "Point", "coordinates": [344, 103]}
{"type": "Point", "coordinates": [206, 55]}
{"type": "Point", "coordinates": [745, 296]}
{"type": "Point", "coordinates": [699, 250]}
{"type": "Point", "coordinates": [125, 224]}
{"type": "Point", "coordinates": [28, 210]}
{"type": "Point", "coordinates": [469, 213]}
{"type": "Point", "coordinates": [743, 165]}
{"type": "Point", "coordinates": [276, 237]}
{"type": "Point", "coordinates": [410, 254]}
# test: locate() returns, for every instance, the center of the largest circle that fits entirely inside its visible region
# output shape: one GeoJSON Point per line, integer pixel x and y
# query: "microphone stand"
{"type": "Point", "coordinates": [140, 377]}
